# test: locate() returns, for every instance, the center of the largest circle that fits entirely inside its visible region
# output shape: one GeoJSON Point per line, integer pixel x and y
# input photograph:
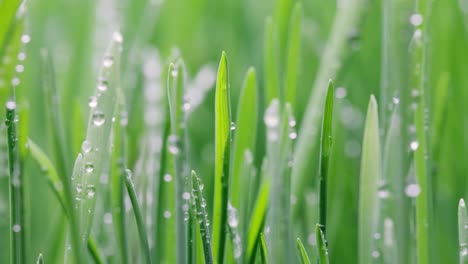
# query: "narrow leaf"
{"type": "Point", "coordinates": [302, 252]}
{"type": "Point", "coordinates": [293, 55]}
{"type": "Point", "coordinates": [321, 246]}
{"type": "Point", "coordinates": [462, 231]}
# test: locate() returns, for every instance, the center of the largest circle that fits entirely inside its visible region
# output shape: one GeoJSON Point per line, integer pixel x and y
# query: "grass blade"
{"type": "Point", "coordinates": [222, 147]}
{"type": "Point", "coordinates": [462, 231]}
{"type": "Point", "coordinates": [263, 249]}
{"type": "Point", "coordinates": [271, 62]}
{"type": "Point", "coordinates": [18, 254]}
{"type": "Point", "coordinates": [325, 149]}
{"type": "Point", "coordinates": [53, 179]}
{"type": "Point", "coordinates": [245, 135]}
{"type": "Point", "coordinates": [138, 215]}
{"type": "Point", "coordinates": [94, 154]}
{"type": "Point", "coordinates": [370, 175]}
{"type": "Point", "coordinates": [94, 252]}
{"type": "Point", "coordinates": [302, 252]}
{"type": "Point", "coordinates": [321, 246]}
{"type": "Point", "coordinates": [202, 217]}
{"type": "Point", "coordinates": [293, 55]}
{"type": "Point", "coordinates": [177, 147]}
{"type": "Point", "coordinates": [257, 219]}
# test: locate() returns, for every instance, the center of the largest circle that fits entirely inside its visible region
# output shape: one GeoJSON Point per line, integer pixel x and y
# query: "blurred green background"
{"type": "Point", "coordinates": [376, 61]}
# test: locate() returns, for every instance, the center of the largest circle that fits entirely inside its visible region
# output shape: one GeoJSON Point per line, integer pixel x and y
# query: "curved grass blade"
{"type": "Point", "coordinates": [40, 259]}
{"type": "Point", "coordinates": [17, 238]}
{"type": "Point", "coordinates": [302, 252]}
{"type": "Point", "coordinates": [346, 19]}
{"type": "Point", "coordinates": [94, 154]}
{"type": "Point", "coordinates": [177, 147]}
{"type": "Point", "coordinates": [370, 175]}
{"type": "Point", "coordinates": [138, 215]}
{"type": "Point", "coordinates": [263, 249]}
{"type": "Point", "coordinates": [202, 217]}
{"type": "Point", "coordinates": [325, 149]}
{"type": "Point", "coordinates": [271, 62]}
{"type": "Point", "coordinates": [53, 179]}
{"type": "Point", "coordinates": [463, 231]}
{"type": "Point", "coordinates": [321, 246]}
{"type": "Point", "coordinates": [222, 154]}
{"type": "Point", "coordinates": [293, 55]}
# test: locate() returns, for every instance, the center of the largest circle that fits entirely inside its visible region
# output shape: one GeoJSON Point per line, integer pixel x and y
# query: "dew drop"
{"type": "Point", "coordinates": [174, 73]}
{"type": "Point", "coordinates": [21, 56]}
{"type": "Point", "coordinates": [233, 126]}
{"type": "Point", "coordinates": [464, 252]}
{"type": "Point", "coordinates": [98, 118]}
{"type": "Point", "coordinates": [272, 114]}
{"type": "Point", "coordinates": [90, 191]}
{"type": "Point", "coordinates": [117, 36]}
{"type": "Point", "coordinates": [375, 254]}
{"type": "Point", "coordinates": [186, 196]}
{"type": "Point", "coordinates": [340, 92]}
{"type": "Point", "coordinates": [167, 177]}
{"type": "Point", "coordinates": [173, 144]}
{"type": "Point", "coordinates": [108, 61]}
{"type": "Point", "coordinates": [416, 19]}
{"type": "Point", "coordinates": [16, 228]}
{"type": "Point", "coordinates": [89, 167]}
{"type": "Point", "coordinates": [167, 214]}
{"type": "Point", "coordinates": [396, 100]}
{"type": "Point", "coordinates": [79, 188]}
{"type": "Point", "coordinates": [414, 145]}
{"type": "Point", "coordinates": [413, 190]}
{"type": "Point", "coordinates": [92, 102]}
{"type": "Point", "coordinates": [102, 85]}
{"type": "Point", "coordinates": [293, 135]}
{"type": "Point", "coordinates": [233, 220]}
{"type": "Point", "coordinates": [11, 105]}
{"type": "Point", "coordinates": [25, 38]}
{"type": "Point", "coordinates": [19, 68]}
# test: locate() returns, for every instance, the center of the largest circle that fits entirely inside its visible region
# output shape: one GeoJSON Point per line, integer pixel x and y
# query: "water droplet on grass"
{"type": "Point", "coordinates": [341, 92]}
{"type": "Point", "coordinates": [414, 145]}
{"type": "Point", "coordinates": [117, 36]}
{"type": "Point", "coordinates": [167, 214]}
{"type": "Point", "coordinates": [413, 190]}
{"type": "Point", "coordinates": [89, 167]}
{"type": "Point", "coordinates": [173, 144]}
{"type": "Point", "coordinates": [98, 118]}
{"type": "Point", "coordinates": [92, 102]}
{"type": "Point", "coordinates": [16, 228]}
{"type": "Point", "coordinates": [416, 19]}
{"type": "Point", "coordinates": [25, 38]}
{"type": "Point", "coordinates": [167, 177]}
{"type": "Point", "coordinates": [10, 105]}
{"type": "Point", "coordinates": [108, 61]}
{"type": "Point", "coordinates": [90, 191]}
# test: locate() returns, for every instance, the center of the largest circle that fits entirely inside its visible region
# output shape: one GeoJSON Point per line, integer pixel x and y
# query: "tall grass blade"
{"type": "Point", "coordinates": [94, 251]}
{"type": "Point", "coordinates": [463, 231]}
{"type": "Point", "coordinates": [17, 220]}
{"type": "Point", "coordinates": [177, 147]}
{"type": "Point", "coordinates": [302, 252]}
{"type": "Point", "coordinates": [138, 216]}
{"type": "Point", "coordinates": [370, 175]}
{"type": "Point", "coordinates": [321, 246]}
{"type": "Point", "coordinates": [325, 149]}
{"type": "Point", "coordinates": [293, 56]}
{"type": "Point", "coordinates": [222, 156]}
{"type": "Point", "coordinates": [202, 217]}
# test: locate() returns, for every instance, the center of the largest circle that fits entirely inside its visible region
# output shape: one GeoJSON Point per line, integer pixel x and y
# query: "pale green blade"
{"type": "Point", "coordinates": [302, 252]}
{"type": "Point", "coordinates": [463, 231]}
{"type": "Point", "coordinates": [271, 62]}
{"type": "Point", "coordinates": [222, 147]}
{"type": "Point", "coordinates": [370, 175]}
{"type": "Point", "coordinates": [321, 246]}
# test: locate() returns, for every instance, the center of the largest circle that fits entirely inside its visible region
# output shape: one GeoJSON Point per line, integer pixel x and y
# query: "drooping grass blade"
{"type": "Point", "coordinates": [138, 215]}
{"type": "Point", "coordinates": [302, 252]}
{"type": "Point", "coordinates": [293, 56]}
{"type": "Point", "coordinates": [222, 154]}
{"type": "Point", "coordinates": [17, 235]}
{"type": "Point", "coordinates": [94, 251]}
{"type": "Point", "coordinates": [325, 149]}
{"type": "Point", "coordinates": [202, 217]}
{"type": "Point", "coordinates": [321, 246]}
{"type": "Point", "coordinates": [463, 231]}
{"type": "Point", "coordinates": [370, 175]}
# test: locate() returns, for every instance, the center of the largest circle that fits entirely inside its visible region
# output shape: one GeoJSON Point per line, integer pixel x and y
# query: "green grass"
{"type": "Point", "coordinates": [111, 107]}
